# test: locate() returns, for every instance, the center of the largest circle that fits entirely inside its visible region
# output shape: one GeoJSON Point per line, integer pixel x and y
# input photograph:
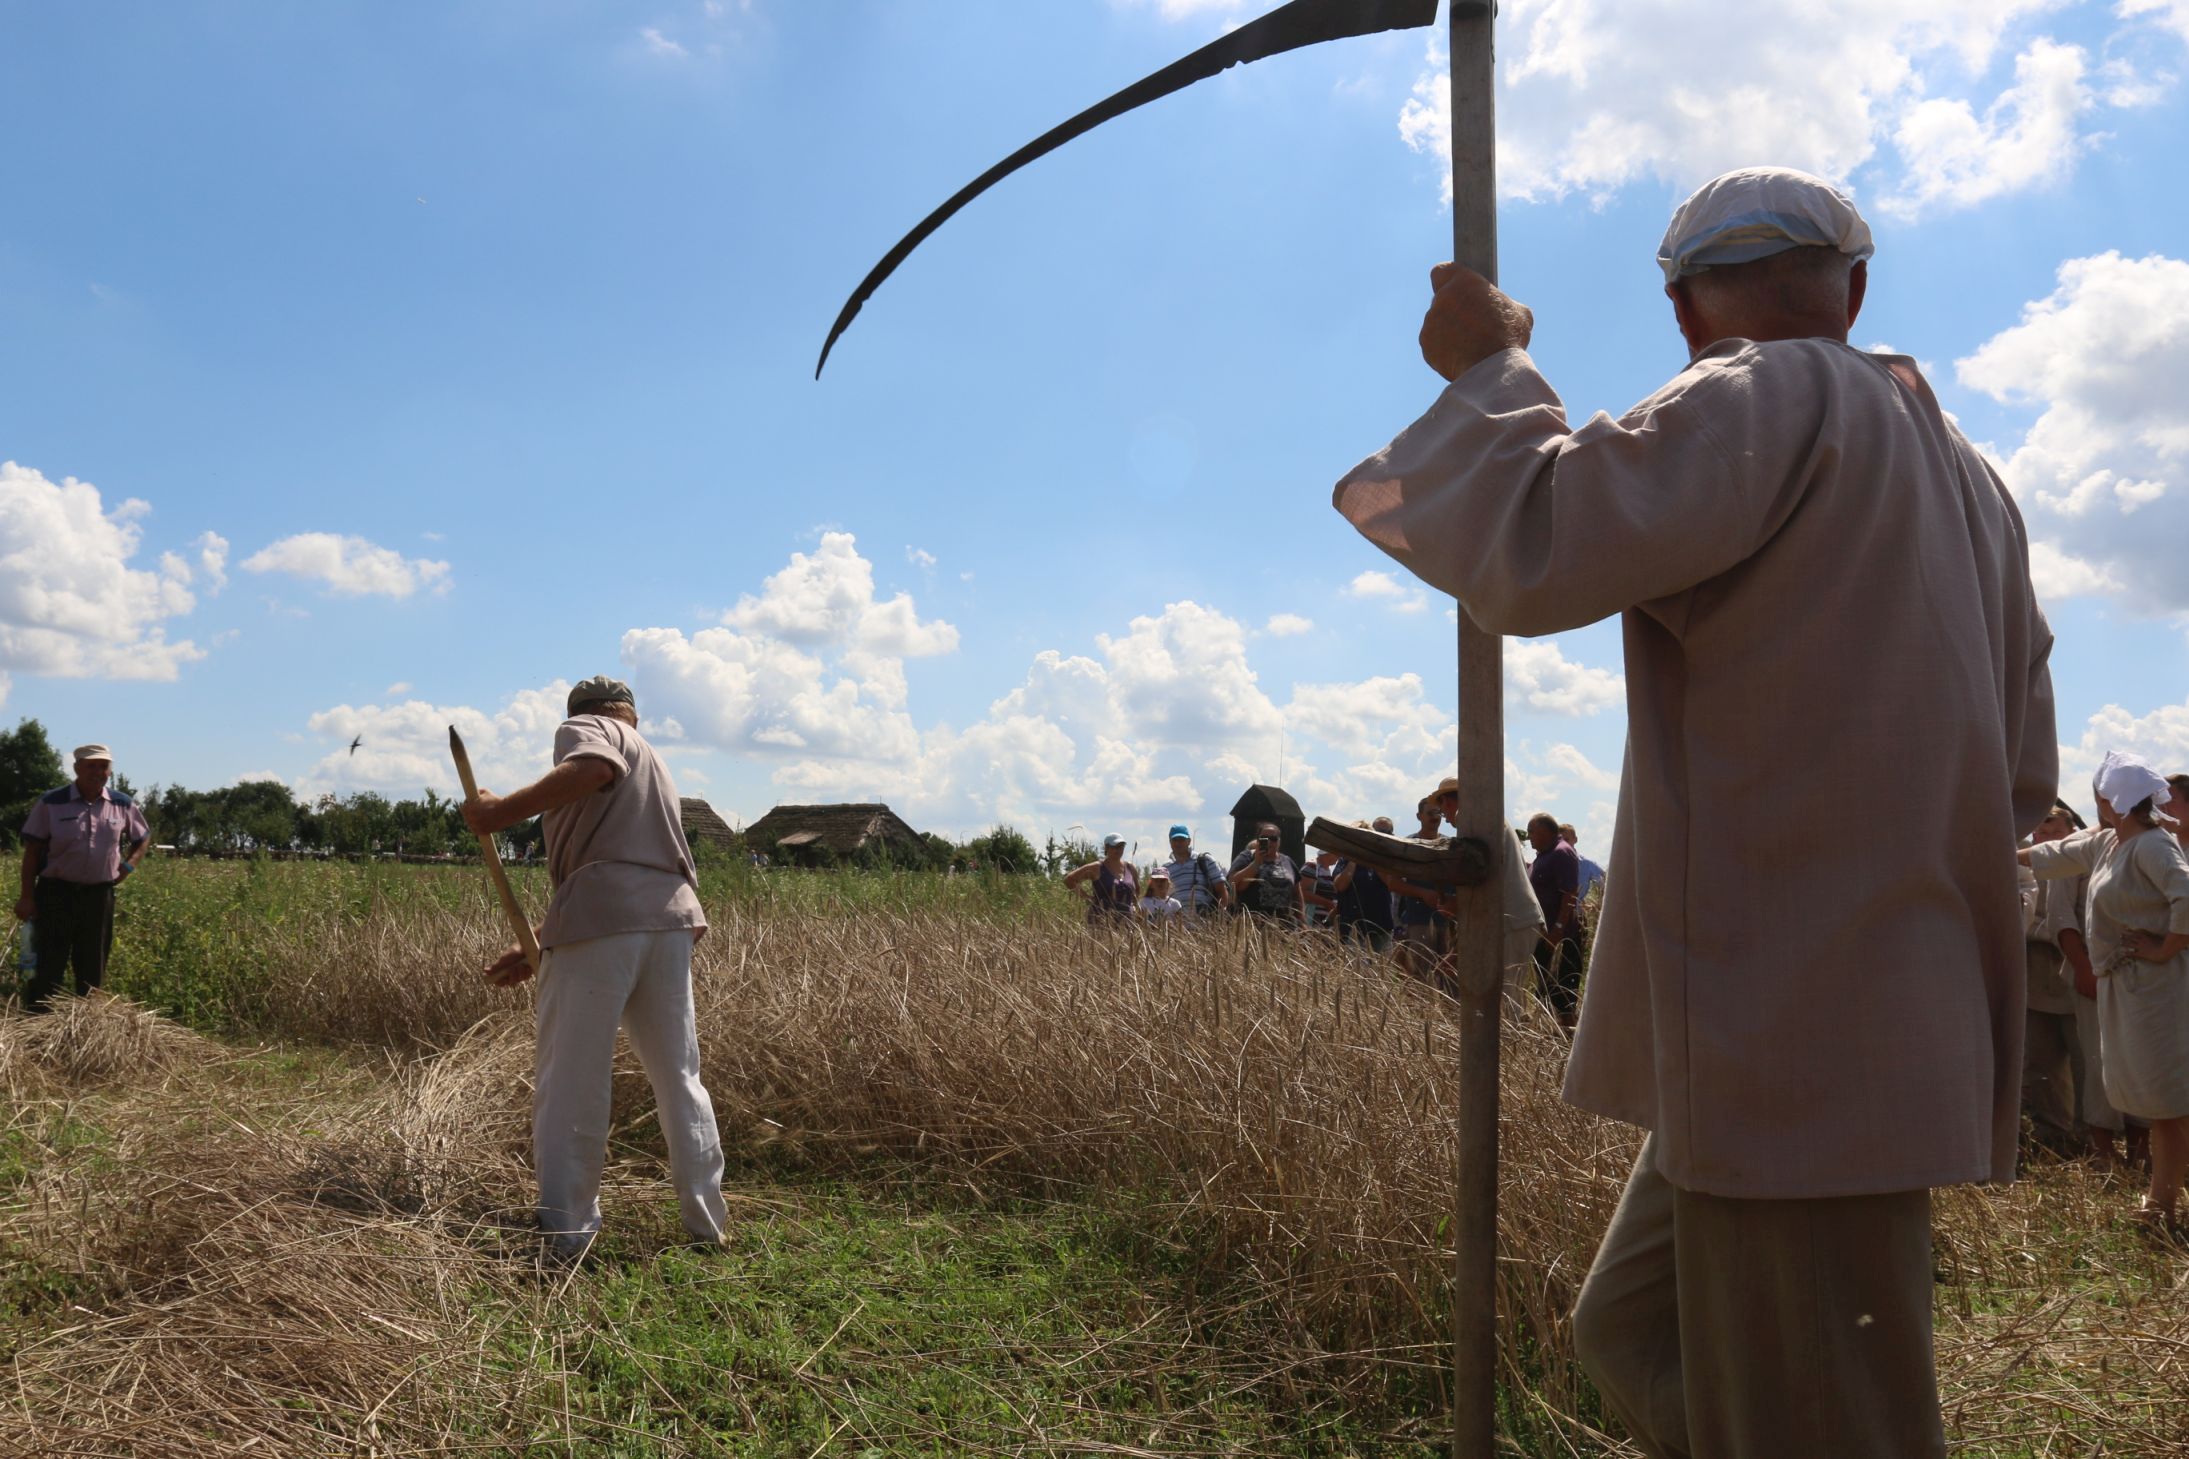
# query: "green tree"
{"type": "Point", "coordinates": [260, 815]}
{"type": "Point", "coordinates": [29, 767]}
{"type": "Point", "coordinates": [1003, 849]}
{"type": "Point", "coordinates": [1068, 854]}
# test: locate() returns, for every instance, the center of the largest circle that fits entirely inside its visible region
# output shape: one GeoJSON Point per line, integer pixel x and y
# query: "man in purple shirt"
{"type": "Point", "coordinates": [78, 844]}
{"type": "Point", "coordinates": [1555, 877]}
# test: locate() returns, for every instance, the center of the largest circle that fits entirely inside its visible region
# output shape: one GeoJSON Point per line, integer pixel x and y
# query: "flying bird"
{"type": "Point", "coordinates": [354, 744]}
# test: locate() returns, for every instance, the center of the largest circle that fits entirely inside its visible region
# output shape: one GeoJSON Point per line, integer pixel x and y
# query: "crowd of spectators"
{"type": "Point", "coordinates": [1547, 908]}
{"type": "Point", "coordinates": [2106, 917]}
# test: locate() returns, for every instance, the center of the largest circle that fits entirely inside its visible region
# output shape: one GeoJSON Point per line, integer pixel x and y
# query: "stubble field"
{"type": "Point", "coordinates": [999, 1187]}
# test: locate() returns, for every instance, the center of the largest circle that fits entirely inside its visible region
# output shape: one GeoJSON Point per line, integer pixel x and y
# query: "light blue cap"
{"type": "Point", "coordinates": [1180, 833]}
{"type": "Point", "coordinates": [1756, 212]}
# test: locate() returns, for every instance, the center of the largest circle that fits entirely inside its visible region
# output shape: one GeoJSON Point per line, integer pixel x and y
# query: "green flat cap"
{"type": "Point", "coordinates": [599, 687]}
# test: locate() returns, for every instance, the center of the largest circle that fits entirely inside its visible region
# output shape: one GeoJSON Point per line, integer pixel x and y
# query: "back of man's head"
{"type": "Point", "coordinates": [1765, 253]}
{"type": "Point", "coordinates": [1797, 294]}
{"type": "Point", "coordinates": [618, 709]}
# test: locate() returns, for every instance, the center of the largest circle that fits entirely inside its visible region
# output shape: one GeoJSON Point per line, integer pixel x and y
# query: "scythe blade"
{"type": "Point", "coordinates": [1288, 28]}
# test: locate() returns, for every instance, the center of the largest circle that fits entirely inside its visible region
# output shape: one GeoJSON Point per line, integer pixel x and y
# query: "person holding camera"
{"type": "Point", "coordinates": [1265, 880]}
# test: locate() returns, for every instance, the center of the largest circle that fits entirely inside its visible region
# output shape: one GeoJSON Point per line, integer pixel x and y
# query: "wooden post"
{"type": "Point", "coordinates": [1479, 929]}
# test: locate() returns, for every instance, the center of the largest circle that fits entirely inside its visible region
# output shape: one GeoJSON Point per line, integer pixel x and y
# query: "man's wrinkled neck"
{"type": "Point", "coordinates": [1768, 332]}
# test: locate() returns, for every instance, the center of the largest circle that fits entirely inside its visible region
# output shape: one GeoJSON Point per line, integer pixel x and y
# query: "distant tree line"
{"type": "Point", "coordinates": [262, 815]}
{"type": "Point", "coordinates": [257, 816]}
{"type": "Point", "coordinates": [252, 816]}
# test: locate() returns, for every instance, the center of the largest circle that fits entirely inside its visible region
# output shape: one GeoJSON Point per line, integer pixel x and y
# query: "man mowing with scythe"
{"type": "Point", "coordinates": [617, 942]}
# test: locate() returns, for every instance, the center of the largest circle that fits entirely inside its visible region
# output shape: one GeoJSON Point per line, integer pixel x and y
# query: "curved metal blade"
{"type": "Point", "coordinates": [1287, 28]}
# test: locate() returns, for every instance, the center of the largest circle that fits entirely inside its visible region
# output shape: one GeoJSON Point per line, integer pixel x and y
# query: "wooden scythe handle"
{"type": "Point", "coordinates": [518, 922]}
{"type": "Point", "coordinates": [1477, 933]}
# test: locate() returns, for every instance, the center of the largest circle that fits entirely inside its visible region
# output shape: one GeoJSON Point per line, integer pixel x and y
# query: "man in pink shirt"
{"type": "Point", "coordinates": [79, 842]}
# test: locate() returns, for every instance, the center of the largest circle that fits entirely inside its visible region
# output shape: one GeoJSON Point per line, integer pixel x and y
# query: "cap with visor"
{"type": "Point", "coordinates": [598, 689]}
{"type": "Point", "coordinates": [1755, 212]}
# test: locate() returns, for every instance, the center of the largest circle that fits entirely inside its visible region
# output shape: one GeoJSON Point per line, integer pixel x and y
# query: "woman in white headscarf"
{"type": "Point", "coordinates": [2139, 947]}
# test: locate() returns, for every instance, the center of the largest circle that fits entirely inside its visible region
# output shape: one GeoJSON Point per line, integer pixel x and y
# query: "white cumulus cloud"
{"type": "Point", "coordinates": [1181, 678]}
{"type": "Point", "coordinates": [1376, 586]}
{"type": "Point", "coordinates": [827, 597]}
{"type": "Point", "coordinates": [213, 559]}
{"type": "Point", "coordinates": [2171, 14]}
{"type": "Point", "coordinates": [1288, 625]}
{"type": "Point", "coordinates": [1539, 675]}
{"type": "Point", "coordinates": [350, 567]}
{"type": "Point", "coordinates": [2103, 472]}
{"type": "Point", "coordinates": [813, 665]}
{"type": "Point", "coordinates": [404, 744]}
{"type": "Point", "coordinates": [71, 606]}
{"type": "Point", "coordinates": [2028, 135]}
{"type": "Point", "coordinates": [1596, 94]}
{"type": "Point", "coordinates": [2161, 737]}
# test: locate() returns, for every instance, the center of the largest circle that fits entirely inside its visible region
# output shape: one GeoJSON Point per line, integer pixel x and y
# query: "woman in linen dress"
{"type": "Point", "coordinates": [2139, 946]}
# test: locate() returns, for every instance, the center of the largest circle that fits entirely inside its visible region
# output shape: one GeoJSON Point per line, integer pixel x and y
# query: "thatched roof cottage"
{"type": "Point", "coordinates": [797, 832]}
{"type": "Point", "coordinates": [703, 823]}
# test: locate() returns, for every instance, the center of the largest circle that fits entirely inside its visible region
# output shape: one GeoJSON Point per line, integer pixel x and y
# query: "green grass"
{"type": "Point", "coordinates": [887, 1314]}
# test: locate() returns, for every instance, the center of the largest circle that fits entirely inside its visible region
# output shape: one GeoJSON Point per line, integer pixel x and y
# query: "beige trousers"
{"type": "Point", "coordinates": [1736, 1329]}
{"type": "Point", "coordinates": [641, 982]}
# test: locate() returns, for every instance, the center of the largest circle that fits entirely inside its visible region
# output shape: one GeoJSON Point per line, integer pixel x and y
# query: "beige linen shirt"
{"type": "Point", "coordinates": [618, 858]}
{"type": "Point", "coordinates": [1823, 585]}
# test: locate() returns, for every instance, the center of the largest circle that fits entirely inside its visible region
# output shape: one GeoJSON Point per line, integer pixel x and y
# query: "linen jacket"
{"type": "Point", "coordinates": [1823, 584]}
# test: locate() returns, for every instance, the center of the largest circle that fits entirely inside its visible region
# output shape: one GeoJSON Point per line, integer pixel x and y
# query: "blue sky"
{"type": "Point", "coordinates": [480, 339]}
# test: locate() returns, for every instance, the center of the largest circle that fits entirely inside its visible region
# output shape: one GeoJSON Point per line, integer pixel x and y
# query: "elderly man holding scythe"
{"type": "Point", "coordinates": [1817, 574]}
{"type": "Point", "coordinates": [617, 942]}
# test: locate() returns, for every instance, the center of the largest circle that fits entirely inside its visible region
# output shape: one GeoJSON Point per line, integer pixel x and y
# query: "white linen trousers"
{"type": "Point", "coordinates": [641, 981]}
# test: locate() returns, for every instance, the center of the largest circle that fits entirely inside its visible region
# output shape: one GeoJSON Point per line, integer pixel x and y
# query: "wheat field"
{"type": "Point", "coordinates": [304, 1270]}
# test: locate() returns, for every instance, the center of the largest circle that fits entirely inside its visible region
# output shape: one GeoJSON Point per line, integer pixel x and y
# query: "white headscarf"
{"type": "Point", "coordinates": [2125, 782]}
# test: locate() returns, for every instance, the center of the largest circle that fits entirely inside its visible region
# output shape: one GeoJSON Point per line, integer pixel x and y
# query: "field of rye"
{"type": "Point", "coordinates": [1000, 1187]}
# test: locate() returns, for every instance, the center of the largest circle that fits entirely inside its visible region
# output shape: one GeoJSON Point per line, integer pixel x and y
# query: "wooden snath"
{"type": "Point", "coordinates": [1482, 854]}
{"type": "Point", "coordinates": [520, 924]}
{"type": "Point", "coordinates": [1478, 929]}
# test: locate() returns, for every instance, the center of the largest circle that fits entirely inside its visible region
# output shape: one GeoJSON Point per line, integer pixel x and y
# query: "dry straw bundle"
{"type": "Point", "coordinates": [225, 1271]}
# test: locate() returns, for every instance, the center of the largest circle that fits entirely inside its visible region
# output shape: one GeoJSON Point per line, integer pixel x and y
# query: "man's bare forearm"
{"type": "Point", "coordinates": [567, 784]}
{"type": "Point", "coordinates": [34, 861]}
